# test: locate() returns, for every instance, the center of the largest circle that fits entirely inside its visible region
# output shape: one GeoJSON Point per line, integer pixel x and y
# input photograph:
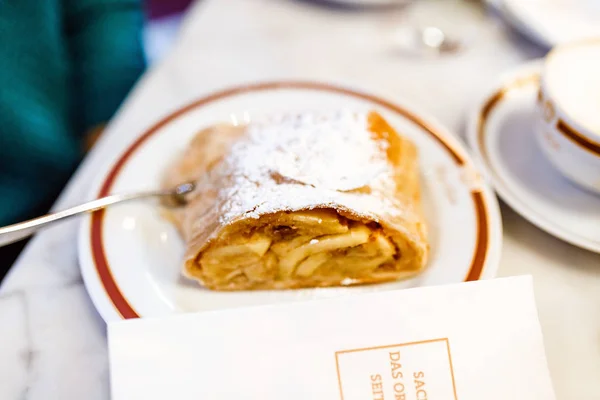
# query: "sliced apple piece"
{"type": "Point", "coordinates": [242, 253]}
{"type": "Point", "coordinates": [308, 266]}
{"type": "Point", "coordinates": [259, 243]}
{"type": "Point", "coordinates": [234, 255]}
{"type": "Point", "coordinates": [378, 245]}
{"type": "Point", "coordinates": [233, 274]}
{"type": "Point", "coordinates": [317, 221]}
{"type": "Point", "coordinates": [357, 235]}
{"type": "Point", "coordinates": [263, 270]}
{"type": "Point", "coordinates": [361, 264]}
{"type": "Point", "coordinates": [384, 245]}
{"type": "Point", "coordinates": [284, 247]}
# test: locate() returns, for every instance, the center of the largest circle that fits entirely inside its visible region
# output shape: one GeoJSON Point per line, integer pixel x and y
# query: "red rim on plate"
{"type": "Point", "coordinates": [118, 299]}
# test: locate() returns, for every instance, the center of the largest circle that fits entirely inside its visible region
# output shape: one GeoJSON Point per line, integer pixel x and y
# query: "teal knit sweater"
{"type": "Point", "coordinates": [65, 66]}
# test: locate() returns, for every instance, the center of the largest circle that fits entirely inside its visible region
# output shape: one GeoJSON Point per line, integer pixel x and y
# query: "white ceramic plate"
{"type": "Point", "coordinates": [130, 257]}
{"type": "Point", "coordinates": [501, 133]}
{"type": "Point", "coordinates": [551, 22]}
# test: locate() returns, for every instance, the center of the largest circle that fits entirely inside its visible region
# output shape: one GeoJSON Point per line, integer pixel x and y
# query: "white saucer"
{"type": "Point", "coordinates": [501, 134]}
{"type": "Point", "coordinates": [131, 257]}
{"type": "Point", "coordinates": [551, 22]}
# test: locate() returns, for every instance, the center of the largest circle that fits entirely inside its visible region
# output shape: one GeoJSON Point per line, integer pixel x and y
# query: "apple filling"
{"type": "Point", "coordinates": [313, 246]}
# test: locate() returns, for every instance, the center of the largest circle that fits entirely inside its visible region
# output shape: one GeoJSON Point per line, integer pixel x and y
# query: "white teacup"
{"type": "Point", "coordinates": [568, 108]}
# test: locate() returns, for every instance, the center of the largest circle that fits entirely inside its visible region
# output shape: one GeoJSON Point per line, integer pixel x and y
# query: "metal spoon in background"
{"type": "Point", "coordinates": [425, 41]}
{"type": "Point", "coordinates": [437, 40]}
{"type": "Point", "coordinates": [173, 198]}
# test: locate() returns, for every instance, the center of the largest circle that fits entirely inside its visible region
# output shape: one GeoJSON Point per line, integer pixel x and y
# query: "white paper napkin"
{"type": "Point", "coordinates": [470, 341]}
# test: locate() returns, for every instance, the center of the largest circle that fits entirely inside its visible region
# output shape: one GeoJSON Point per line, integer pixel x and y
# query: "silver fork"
{"type": "Point", "coordinates": [12, 233]}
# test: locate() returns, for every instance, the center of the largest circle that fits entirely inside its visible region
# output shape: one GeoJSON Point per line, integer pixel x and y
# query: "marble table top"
{"type": "Point", "coordinates": [53, 341]}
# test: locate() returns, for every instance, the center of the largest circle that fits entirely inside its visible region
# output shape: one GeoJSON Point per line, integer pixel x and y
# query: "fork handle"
{"type": "Point", "coordinates": [13, 233]}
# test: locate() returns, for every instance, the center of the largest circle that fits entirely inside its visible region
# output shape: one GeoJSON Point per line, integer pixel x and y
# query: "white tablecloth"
{"type": "Point", "coordinates": [54, 343]}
